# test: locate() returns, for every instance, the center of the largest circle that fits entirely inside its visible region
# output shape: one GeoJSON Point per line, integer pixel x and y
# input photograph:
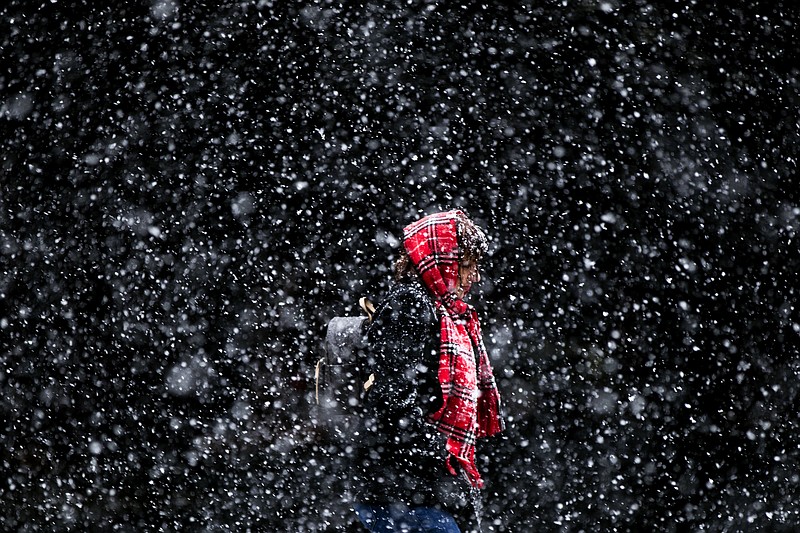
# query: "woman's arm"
{"type": "Point", "coordinates": [403, 340]}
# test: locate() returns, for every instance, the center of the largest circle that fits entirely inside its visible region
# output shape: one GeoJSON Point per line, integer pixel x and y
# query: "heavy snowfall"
{"type": "Point", "coordinates": [190, 191]}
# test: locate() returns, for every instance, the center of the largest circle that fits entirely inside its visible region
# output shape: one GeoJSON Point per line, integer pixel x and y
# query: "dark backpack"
{"type": "Point", "coordinates": [340, 372]}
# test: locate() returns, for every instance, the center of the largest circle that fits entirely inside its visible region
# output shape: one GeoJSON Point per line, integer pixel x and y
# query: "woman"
{"type": "Point", "coordinates": [432, 392]}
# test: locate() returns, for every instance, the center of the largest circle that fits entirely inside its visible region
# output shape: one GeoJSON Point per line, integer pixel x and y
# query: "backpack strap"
{"type": "Point", "coordinates": [316, 375]}
{"type": "Point", "coordinates": [368, 307]}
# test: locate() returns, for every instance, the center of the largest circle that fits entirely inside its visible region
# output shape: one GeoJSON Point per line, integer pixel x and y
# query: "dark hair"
{"type": "Point", "coordinates": [403, 267]}
{"type": "Point", "coordinates": [471, 241]}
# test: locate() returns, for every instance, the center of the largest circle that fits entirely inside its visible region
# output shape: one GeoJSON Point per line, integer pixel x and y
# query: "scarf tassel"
{"type": "Point", "coordinates": [473, 476]}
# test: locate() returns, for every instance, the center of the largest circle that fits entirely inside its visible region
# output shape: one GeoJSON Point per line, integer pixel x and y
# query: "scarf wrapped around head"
{"type": "Point", "coordinates": [471, 406]}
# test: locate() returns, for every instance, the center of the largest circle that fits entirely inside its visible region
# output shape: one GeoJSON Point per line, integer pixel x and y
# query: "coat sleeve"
{"type": "Point", "coordinates": [404, 347]}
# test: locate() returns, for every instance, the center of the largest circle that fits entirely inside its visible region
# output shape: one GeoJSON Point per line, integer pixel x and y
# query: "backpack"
{"type": "Point", "coordinates": [340, 386]}
{"type": "Point", "coordinates": [340, 372]}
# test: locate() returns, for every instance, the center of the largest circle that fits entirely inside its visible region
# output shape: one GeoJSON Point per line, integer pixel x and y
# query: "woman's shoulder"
{"type": "Point", "coordinates": [410, 296]}
{"type": "Point", "coordinates": [410, 291]}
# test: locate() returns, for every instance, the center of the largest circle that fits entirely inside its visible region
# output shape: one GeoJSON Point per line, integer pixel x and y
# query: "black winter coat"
{"type": "Point", "coordinates": [399, 456]}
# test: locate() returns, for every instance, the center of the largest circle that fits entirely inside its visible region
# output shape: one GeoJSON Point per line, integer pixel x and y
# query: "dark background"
{"type": "Point", "coordinates": [190, 191]}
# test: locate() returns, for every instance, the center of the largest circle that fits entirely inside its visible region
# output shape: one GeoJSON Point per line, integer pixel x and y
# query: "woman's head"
{"type": "Point", "coordinates": [461, 260]}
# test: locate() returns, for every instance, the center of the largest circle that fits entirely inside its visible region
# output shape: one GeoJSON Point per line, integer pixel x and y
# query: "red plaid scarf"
{"type": "Point", "coordinates": [471, 407]}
